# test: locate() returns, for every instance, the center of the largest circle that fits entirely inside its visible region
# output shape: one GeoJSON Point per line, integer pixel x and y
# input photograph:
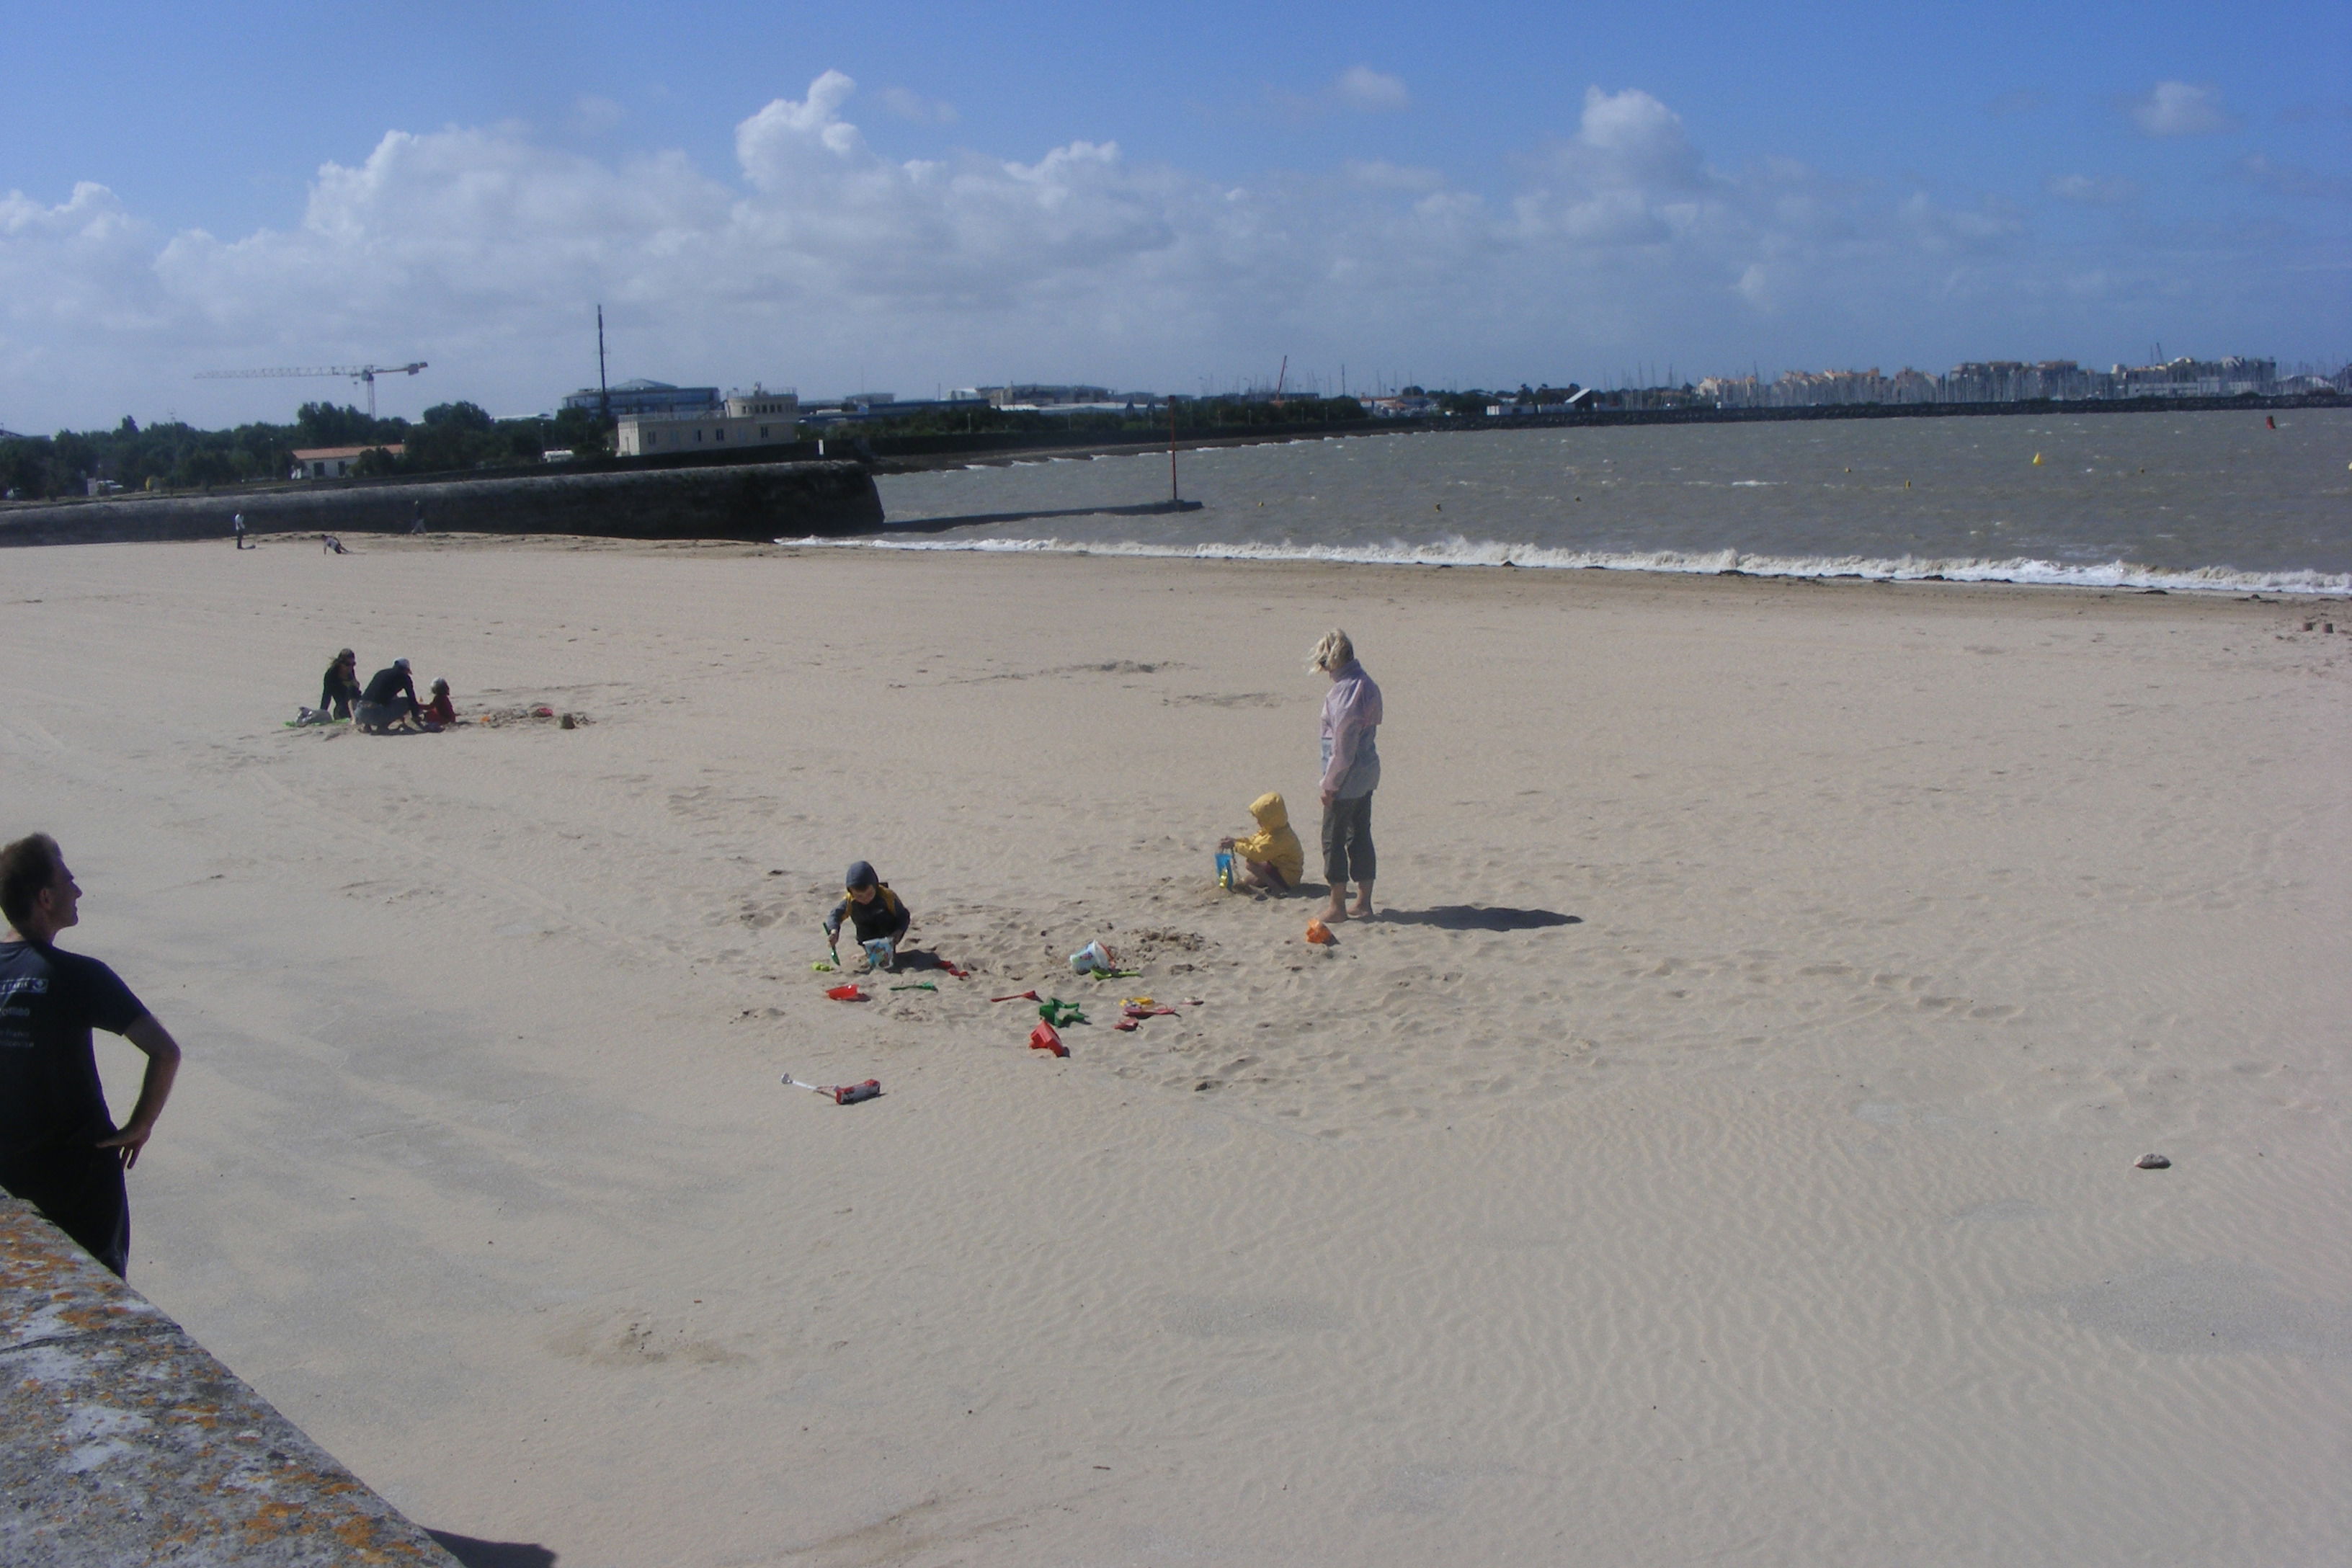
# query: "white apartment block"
{"type": "Point", "coordinates": [755, 418]}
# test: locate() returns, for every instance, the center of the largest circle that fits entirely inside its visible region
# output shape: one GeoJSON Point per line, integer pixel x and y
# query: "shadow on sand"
{"type": "Point", "coordinates": [1473, 916]}
{"type": "Point", "coordinates": [983, 519]}
{"type": "Point", "coordinates": [476, 1554]}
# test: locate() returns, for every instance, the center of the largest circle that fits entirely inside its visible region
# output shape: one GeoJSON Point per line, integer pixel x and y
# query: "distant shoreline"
{"type": "Point", "coordinates": [918, 454]}
{"type": "Point", "coordinates": [884, 454]}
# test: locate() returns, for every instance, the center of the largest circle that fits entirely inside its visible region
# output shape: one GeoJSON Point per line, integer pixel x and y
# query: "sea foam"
{"type": "Point", "coordinates": [1459, 552]}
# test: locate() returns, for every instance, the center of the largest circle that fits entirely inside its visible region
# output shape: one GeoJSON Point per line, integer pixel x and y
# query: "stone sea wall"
{"type": "Point", "coordinates": [748, 501]}
{"type": "Point", "coordinates": [123, 1440]}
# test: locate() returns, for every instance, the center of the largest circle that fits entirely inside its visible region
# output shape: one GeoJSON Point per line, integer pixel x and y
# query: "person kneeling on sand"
{"type": "Point", "coordinates": [340, 690]}
{"type": "Point", "coordinates": [873, 911]}
{"type": "Point", "coordinates": [440, 713]}
{"type": "Point", "coordinates": [390, 699]}
{"type": "Point", "coordinates": [1272, 857]}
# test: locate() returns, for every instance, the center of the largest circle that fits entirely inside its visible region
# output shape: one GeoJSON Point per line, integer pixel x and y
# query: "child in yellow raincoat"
{"type": "Point", "coordinates": [1272, 857]}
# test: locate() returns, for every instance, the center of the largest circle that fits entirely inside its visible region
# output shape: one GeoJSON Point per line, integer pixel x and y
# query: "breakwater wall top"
{"type": "Point", "coordinates": [123, 1440]}
{"type": "Point", "coordinates": [754, 502]}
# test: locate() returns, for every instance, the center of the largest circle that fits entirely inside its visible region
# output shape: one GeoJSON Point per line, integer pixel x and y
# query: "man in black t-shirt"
{"type": "Point", "coordinates": [59, 1149]}
{"type": "Point", "coordinates": [390, 698]}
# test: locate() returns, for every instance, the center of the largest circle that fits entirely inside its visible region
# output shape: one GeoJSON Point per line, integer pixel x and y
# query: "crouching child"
{"type": "Point", "coordinates": [1272, 857]}
{"type": "Point", "coordinates": [874, 913]}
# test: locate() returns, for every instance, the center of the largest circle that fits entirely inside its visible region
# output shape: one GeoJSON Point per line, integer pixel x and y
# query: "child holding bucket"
{"type": "Point", "coordinates": [1272, 857]}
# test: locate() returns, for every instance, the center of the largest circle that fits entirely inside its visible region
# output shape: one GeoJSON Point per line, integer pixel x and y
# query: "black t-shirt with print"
{"type": "Point", "coordinates": [51, 1095]}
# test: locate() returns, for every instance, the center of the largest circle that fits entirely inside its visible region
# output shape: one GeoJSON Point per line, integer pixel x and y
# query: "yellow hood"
{"type": "Point", "coordinates": [1270, 812]}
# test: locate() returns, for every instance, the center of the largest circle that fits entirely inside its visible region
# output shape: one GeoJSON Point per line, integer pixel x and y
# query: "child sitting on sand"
{"type": "Point", "coordinates": [1272, 857]}
{"type": "Point", "coordinates": [873, 911]}
{"type": "Point", "coordinates": [439, 713]}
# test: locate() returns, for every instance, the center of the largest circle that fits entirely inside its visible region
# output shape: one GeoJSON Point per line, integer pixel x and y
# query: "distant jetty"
{"type": "Point", "coordinates": [754, 502]}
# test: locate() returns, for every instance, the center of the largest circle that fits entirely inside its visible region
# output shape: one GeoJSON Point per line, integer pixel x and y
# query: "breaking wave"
{"type": "Point", "coordinates": [1461, 552]}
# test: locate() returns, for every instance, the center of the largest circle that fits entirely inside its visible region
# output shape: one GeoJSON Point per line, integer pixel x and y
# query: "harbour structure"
{"type": "Point", "coordinates": [760, 418]}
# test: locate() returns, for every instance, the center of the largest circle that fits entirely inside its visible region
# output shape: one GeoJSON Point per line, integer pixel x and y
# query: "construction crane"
{"type": "Point", "coordinates": [363, 373]}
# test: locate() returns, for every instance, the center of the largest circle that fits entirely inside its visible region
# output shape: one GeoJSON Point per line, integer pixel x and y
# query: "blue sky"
{"type": "Point", "coordinates": [1161, 196]}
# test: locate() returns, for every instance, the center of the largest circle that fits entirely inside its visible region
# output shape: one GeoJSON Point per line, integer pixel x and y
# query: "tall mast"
{"type": "Point", "coordinates": [603, 392]}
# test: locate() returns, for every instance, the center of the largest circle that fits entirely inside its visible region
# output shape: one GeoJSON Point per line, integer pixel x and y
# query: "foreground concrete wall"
{"type": "Point", "coordinates": [750, 501]}
{"type": "Point", "coordinates": [121, 1440]}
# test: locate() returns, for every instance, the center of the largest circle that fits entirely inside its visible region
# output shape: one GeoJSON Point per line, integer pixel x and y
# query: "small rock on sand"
{"type": "Point", "coordinates": [2153, 1162]}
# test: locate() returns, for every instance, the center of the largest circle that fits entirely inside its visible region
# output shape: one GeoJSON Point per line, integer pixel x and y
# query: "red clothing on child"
{"type": "Point", "coordinates": [440, 710]}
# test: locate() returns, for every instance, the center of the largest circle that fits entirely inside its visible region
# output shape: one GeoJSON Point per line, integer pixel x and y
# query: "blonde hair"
{"type": "Point", "coordinates": [1334, 651]}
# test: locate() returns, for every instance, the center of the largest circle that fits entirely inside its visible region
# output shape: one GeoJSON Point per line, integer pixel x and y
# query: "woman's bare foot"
{"type": "Point", "coordinates": [1333, 914]}
{"type": "Point", "coordinates": [1363, 907]}
{"type": "Point", "coordinates": [1359, 912]}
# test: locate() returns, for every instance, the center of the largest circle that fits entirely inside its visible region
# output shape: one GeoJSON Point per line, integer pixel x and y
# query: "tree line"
{"type": "Point", "coordinates": [454, 437]}
{"type": "Point", "coordinates": [176, 456]}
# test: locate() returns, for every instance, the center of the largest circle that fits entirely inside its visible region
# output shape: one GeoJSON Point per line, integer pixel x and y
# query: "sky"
{"type": "Point", "coordinates": [909, 198]}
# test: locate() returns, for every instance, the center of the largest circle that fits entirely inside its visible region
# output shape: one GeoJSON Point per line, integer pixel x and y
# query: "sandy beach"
{"type": "Point", "coordinates": [1721, 1151]}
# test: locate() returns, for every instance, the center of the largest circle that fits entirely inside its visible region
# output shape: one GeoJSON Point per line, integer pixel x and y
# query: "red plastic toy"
{"type": "Point", "coordinates": [846, 994]}
{"type": "Point", "coordinates": [1045, 1039]}
{"type": "Point", "coordinates": [1017, 997]}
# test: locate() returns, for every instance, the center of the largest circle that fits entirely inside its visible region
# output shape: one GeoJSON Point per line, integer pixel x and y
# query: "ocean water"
{"type": "Point", "coordinates": [2208, 501]}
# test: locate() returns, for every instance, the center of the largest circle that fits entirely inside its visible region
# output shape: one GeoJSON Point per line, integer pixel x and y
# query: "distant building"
{"type": "Point", "coordinates": [862, 405]}
{"type": "Point", "coordinates": [334, 462]}
{"type": "Point", "coordinates": [2235, 376]}
{"type": "Point", "coordinates": [755, 418]}
{"type": "Point", "coordinates": [1042, 395]}
{"type": "Point", "coordinates": [642, 397]}
{"type": "Point", "coordinates": [1414, 408]}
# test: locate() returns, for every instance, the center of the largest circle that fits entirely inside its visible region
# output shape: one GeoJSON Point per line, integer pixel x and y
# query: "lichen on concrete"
{"type": "Point", "coordinates": [123, 1441]}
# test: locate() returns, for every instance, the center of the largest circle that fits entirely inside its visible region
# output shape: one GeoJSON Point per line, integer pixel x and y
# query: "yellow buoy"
{"type": "Point", "coordinates": [2037, 460]}
{"type": "Point", "coordinates": [1906, 484]}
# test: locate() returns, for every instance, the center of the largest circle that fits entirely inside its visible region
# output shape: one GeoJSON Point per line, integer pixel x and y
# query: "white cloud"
{"type": "Point", "coordinates": [2179, 109]}
{"type": "Point", "coordinates": [2086, 191]}
{"type": "Point", "coordinates": [484, 251]}
{"type": "Point", "coordinates": [1374, 92]}
{"type": "Point", "coordinates": [914, 106]}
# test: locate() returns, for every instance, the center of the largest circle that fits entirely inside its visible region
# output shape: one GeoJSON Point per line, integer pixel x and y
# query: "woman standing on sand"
{"type": "Point", "coordinates": [1352, 771]}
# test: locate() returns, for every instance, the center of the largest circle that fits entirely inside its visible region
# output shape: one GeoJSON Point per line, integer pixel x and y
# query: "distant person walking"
{"type": "Point", "coordinates": [237, 528]}
{"type": "Point", "coordinates": [59, 1149]}
{"type": "Point", "coordinates": [416, 518]}
{"type": "Point", "coordinates": [1352, 771]}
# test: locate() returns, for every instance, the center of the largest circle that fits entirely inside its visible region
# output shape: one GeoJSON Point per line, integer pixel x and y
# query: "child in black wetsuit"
{"type": "Point", "coordinates": [873, 911]}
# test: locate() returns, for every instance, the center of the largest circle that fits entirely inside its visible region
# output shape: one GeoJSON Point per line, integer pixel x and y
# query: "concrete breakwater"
{"type": "Point", "coordinates": [123, 1440]}
{"type": "Point", "coordinates": [751, 502]}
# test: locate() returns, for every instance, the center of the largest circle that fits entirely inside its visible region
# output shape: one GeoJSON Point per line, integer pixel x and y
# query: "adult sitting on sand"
{"type": "Point", "coordinates": [390, 699]}
{"type": "Point", "coordinates": [341, 688]}
{"type": "Point", "coordinates": [1352, 771]}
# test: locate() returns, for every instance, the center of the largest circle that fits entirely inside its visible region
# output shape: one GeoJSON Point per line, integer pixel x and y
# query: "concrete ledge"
{"type": "Point", "coordinates": [123, 1440]}
{"type": "Point", "coordinates": [753, 501]}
